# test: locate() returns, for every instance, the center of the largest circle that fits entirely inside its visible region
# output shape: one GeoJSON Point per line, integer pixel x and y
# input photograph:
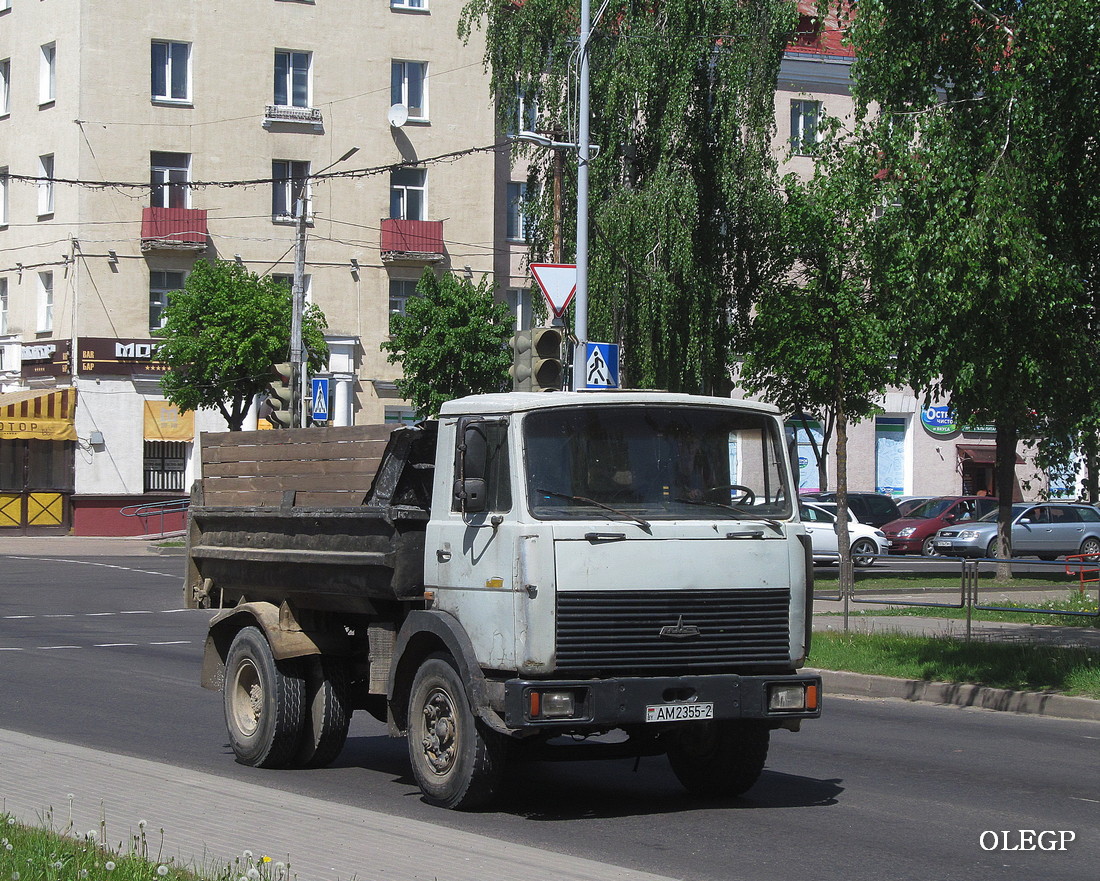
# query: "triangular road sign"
{"type": "Point", "coordinates": [558, 282]}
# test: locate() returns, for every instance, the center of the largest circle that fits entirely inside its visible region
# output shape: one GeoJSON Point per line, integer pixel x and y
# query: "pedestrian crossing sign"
{"type": "Point", "coordinates": [320, 399]}
{"type": "Point", "coordinates": [601, 370]}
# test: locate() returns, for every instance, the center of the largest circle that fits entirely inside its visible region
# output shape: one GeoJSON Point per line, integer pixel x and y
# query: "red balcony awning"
{"type": "Point", "coordinates": [412, 240]}
{"type": "Point", "coordinates": [175, 229]}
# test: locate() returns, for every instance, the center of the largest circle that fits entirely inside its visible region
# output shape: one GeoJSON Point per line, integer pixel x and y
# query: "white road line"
{"type": "Point", "coordinates": [104, 565]}
{"type": "Point", "coordinates": [59, 616]}
{"type": "Point", "coordinates": [103, 614]}
{"type": "Point", "coordinates": [49, 647]}
{"type": "Point", "coordinates": [112, 645]}
{"type": "Point", "coordinates": [175, 642]}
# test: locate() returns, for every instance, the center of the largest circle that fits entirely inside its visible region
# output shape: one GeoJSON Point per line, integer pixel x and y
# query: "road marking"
{"type": "Point", "coordinates": [59, 616]}
{"type": "Point", "coordinates": [102, 614]}
{"type": "Point", "coordinates": [50, 647]}
{"type": "Point", "coordinates": [175, 642]}
{"type": "Point", "coordinates": [98, 645]}
{"type": "Point", "coordinates": [91, 563]}
{"type": "Point", "coordinates": [112, 645]}
{"type": "Point", "coordinates": [1090, 800]}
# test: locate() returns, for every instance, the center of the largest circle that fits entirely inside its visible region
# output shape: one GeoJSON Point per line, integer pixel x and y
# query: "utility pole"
{"type": "Point", "coordinates": [583, 143]}
{"type": "Point", "coordinates": [298, 376]}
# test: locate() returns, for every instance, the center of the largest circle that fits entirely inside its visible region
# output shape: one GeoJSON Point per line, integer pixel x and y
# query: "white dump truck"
{"type": "Point", "coordinates": [530, 575]}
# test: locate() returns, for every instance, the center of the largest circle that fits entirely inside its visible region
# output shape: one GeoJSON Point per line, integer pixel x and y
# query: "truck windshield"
{"type": "Point", "coordinates": [655, 462]}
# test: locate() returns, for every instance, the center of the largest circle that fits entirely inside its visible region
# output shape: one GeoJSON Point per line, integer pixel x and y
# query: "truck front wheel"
{"type": "Point", "coordinates": [264, 701]}
{"type": "Point", "coordinates": [457, 761]}
{"type": "Point", "coordinates": [714, 759]}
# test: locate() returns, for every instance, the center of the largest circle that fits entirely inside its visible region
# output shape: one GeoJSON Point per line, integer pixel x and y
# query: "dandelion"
{"type": "Point", "coordinates": [14, 876]}
{"type": "Point", "coordinates": [162, 870]}
{"type": "Point", "coordinates": [91, 835]}
{"type": "Point", "coordinates": [265, 859]}
{"type": "Point", "coordinates": [83, 873]}
{"type": "Point", "coordinates": [109, 866]}
{"type": "Point", "coordinates": [253, 874]}
{"type": "Point", "coordinates": [141, 824]}
{"type": "Point", "coordinates": [11, 821]}
{"type": "Point", "coordinates": [58, 864]}
{"type": "Point", "coordinates": [8, 847]}
{"type": "Point", "coordinates": [247, 855]}
{"type": "Point", "coordinates": [3, 841]}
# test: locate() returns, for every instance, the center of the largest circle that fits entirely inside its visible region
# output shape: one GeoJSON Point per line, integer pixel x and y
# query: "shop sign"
{"type": "Point", "coordinates": [939, 420]}
{"type": "Point", "coordinates": [119, 357]}
{"type": "Point", "coordinates": [47, 358]}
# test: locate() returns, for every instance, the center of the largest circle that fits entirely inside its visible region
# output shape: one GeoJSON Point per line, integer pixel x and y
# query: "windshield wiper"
{"type": "Point", "coordinates": [643, 523]}
{"type": "Point", "coordinates": [740, 512]}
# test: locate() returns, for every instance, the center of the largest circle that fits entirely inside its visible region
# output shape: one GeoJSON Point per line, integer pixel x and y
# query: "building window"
{"type": "Point", "coordinates": [288, 280]}
{"type": "Point", "coordinates": [890, 455]}
{"type": "Point", "coordinates": [289, 184]}
{"type": "Point", "coordinates": [519, 304]}
{"type": "Point", "coordinates": [805, 122]}
{"type": "Point", "coordinates": [407, 193]}
{"type": "Point", "coordinates": [401, 416]}
{"type": "Point", "coordinates": [408, 86]}
{"type": "Point", "coordinates": [168, 176]}
{"type": "Point", "coordinates": [45, 185]}
{"type": "Point", "coordinates": [527, 112]}
{"type": "Point", "coordinates": [47, 78]}
{"type": "Point", "coordinates": [5, 87]}
{"type": "Point", "coordinates": [292, 78]}
{"type": "Point", "coordinates": [401, 291]}
{"type": "Point", "coordinates": [162, 285]}
{"type": "Point", "coordinates": [517, 217]}
{"type": "Point", "coordinates": [3, 196]}
{"type": "Point", "coordinates": [408, 4]}
{"type": "Point", "coordinates": [45, 302]}
{"type": "Point", "coordinates": [171, 74]}
{"type": "Point", "coordinates": [3, 306]}
{"type": "Point", "coordinates": [164, 465]}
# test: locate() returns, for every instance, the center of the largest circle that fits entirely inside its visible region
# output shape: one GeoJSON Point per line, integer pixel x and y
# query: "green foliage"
{"type": "Point", "coordinates": [987, 130]}
{"type": "Point", "coordinates": [450, 342]}
{"type": "Point", "coordinates": [685, 203]}
{"type": "Point", "coordinates": [223, 332]}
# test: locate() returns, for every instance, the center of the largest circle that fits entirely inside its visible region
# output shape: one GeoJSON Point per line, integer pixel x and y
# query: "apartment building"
{"type": "Point", "coordinates": [139, 136]}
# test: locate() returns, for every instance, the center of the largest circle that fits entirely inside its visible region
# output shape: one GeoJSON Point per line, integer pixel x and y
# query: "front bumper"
{"type": "Point", "coordinates": [617, 702]}
{"type": "Point", "coordinates": [906, 545]}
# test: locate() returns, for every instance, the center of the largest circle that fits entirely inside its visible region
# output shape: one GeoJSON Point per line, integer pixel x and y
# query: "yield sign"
{"type": "Point", "coordinates": [558, 282]}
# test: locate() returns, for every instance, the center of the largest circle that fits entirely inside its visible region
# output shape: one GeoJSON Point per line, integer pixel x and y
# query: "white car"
{"type": "Point", "coordinates": [867, 542]}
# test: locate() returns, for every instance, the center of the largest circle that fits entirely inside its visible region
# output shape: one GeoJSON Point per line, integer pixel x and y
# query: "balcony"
{"type": "Point", "coordinates": [173, 229]}
{"type": "Point", "coordinates": [412, 241]}
{"type": "Point", "coordinates": [278, 115]}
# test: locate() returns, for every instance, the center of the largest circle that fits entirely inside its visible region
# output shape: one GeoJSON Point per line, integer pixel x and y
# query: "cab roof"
{"type": "Point", "coordinates": [514, 402]}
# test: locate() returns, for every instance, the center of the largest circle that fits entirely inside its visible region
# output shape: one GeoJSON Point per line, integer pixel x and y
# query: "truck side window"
{"type": "Point", "coordinates": [498, 488]}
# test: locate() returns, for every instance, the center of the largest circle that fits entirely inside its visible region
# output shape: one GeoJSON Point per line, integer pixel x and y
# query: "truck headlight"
{"type": "Point", "coordinates": [791, 696]}
{"type": "Point", "coordinates": [553, 703]}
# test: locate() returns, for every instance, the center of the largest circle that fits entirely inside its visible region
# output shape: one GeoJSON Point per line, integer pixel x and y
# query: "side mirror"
{"type": "Point", "coordinates": [473, 454]}
{"type": "Point", "coordinates": [949, 518]}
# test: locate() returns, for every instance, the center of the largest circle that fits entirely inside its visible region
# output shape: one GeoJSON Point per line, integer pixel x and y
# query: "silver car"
{"type": "Point", "coordinates": [1045, 530]}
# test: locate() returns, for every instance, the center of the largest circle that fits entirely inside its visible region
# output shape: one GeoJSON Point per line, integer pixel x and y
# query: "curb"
{"type": "Point", "coordinates": [845, 684]}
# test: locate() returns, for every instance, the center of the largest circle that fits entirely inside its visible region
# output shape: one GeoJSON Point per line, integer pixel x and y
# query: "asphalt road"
{"type": "Point", "coordinates": [99, 652]}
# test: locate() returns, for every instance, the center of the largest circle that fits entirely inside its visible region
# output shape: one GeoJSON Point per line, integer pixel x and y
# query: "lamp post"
{"type": "Point", "coordinates": [298, 301]}
{"type": "Point", "coordinates": [581, 296]}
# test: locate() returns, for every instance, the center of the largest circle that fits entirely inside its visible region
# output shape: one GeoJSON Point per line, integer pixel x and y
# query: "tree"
{"type": "Point", "coordinates": [987, 124]}
{"type": "Point", "coordinates": [450, 342]}
{"type": "Point", "coordinates": [820, 342]}
{"type": "Point", "coordinates": [223, 332]}
{"type": "Point", "coordinates": [685, 204]}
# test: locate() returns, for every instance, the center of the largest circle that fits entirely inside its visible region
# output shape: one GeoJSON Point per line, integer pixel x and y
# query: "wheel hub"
{"type": "Point", "coordinates": [439, 743]}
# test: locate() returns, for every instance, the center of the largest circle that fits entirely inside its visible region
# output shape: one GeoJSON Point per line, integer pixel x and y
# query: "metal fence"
{"type": "Point", "coordinates": [1086, 567]}
{"type": "Point", "coordinates": [156, 509]}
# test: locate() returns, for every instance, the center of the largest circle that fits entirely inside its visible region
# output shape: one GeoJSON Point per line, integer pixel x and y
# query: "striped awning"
{"type": "Point", "coordinates": [38, 415]}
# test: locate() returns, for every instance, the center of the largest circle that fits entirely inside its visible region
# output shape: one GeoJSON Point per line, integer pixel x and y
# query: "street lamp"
{"type": "Point", "coordinates": [298, 302]}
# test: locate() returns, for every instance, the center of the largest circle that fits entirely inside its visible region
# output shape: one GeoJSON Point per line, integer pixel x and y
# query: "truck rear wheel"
{"type": "Point", "coordinates": [326, 717]}
{"type": "Point", "coordinates": [457, 761]}
{"type": "Point", "coordinates": [263, 702]}
{"type": "Point", "coordinates": [714, 759]}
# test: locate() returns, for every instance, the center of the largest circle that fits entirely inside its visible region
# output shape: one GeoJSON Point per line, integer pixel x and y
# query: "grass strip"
{"type": "Point", "coordinates": [1018, 666]}
{"type": "Point", "coordinates": [45, 853]}
{"type": "Point", "coordinates": [1074, 602]}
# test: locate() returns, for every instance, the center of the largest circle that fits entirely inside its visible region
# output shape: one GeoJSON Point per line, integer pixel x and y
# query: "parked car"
{"type": "Point", "coordinates": [910, 503]}
{"type": "Point", "coordinates": [873, 509]}
{"type": "Point", "coordinates": [819, 519]}
{"type": "Point", "coordinates": [1047, 530]}
{"type": "Point", "coordinates": [916, 533]}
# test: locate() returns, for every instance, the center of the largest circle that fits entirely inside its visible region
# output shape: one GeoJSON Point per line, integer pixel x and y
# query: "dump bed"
{"type": "Point", "coordinates": [325, 518]}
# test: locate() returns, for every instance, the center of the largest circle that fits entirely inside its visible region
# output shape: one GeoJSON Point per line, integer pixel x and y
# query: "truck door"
{"type": "Point", "coordinates": [470, 549]}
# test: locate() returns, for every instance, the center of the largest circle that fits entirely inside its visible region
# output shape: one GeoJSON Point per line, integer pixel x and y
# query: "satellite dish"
{"type": "Point", "coordinates": [398, 115]}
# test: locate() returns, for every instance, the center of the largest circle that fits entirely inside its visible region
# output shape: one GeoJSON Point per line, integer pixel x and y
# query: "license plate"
{"type": "Point", "coordinates": [678, 712]}
{"type": "Point", "coordinates": [942, 544]}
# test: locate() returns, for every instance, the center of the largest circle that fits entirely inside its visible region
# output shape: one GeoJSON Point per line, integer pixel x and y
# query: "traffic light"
{"type": "Point", "coordinates": [278, 401]}
{"type": "Point", "coordinates": [536, 360]}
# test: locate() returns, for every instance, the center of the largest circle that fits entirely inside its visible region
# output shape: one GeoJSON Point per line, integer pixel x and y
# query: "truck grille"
{"type": "Point", "coordinates": [705, 631]}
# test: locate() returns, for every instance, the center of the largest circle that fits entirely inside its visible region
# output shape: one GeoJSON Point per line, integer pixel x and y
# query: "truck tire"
{"type": "Point", "coordinates": [716, 759]}
{"type": "Point", "coordinates": [457, 761]}
{"type": "Point", "coordinates": [263, 702]}
{"type": "Point", "coordinates": [326, 717]}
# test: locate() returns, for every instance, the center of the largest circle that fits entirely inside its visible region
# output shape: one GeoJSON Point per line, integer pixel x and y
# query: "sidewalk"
{"type": "Point", "coordinates": [84, 546]}
{"type": "Point", "coordinates": [208, 820]}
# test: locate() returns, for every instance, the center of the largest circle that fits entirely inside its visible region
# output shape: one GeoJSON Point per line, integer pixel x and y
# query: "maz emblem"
{"type": "Point", "coordinates": [680, 630]}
